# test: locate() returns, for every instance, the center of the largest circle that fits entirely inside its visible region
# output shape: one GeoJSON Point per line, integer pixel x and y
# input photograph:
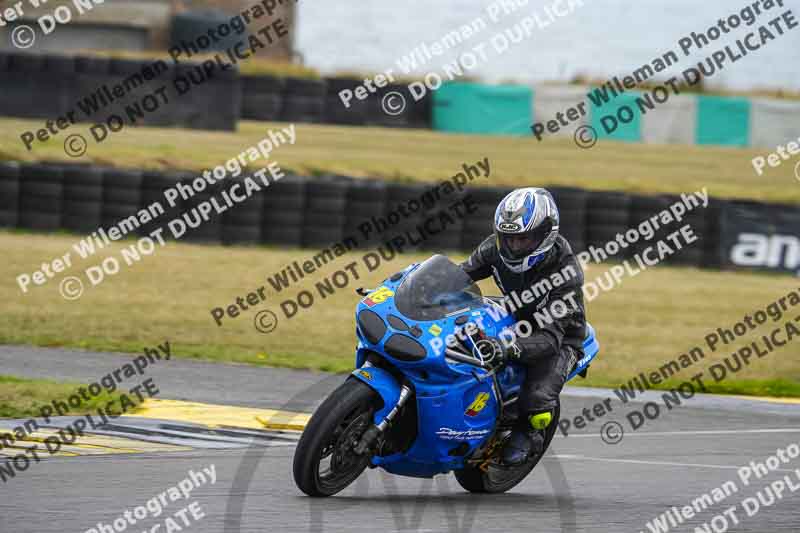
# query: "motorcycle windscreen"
{"type": "Point", "coordinates": [436, 289]}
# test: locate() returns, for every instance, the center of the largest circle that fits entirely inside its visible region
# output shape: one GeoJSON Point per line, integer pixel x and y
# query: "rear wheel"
{"type": "Point", "coordinates": [499, 478]}
{"type": "Point", "coordinates": [324, 461]}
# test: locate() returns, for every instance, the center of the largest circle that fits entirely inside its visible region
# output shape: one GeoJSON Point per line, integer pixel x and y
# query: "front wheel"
{"type": "Point", "coordinates": [499, 478]}
{"type": "Point", "coordinates": [324, 461]}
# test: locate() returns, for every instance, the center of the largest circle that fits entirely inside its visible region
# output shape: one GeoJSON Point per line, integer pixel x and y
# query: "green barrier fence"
{"type": "Point", "coordinates": [474, 108]}
{"type": "Point", "coordinates": [619, 119]}
{"type": "Point", "coordinates": [723, 121]}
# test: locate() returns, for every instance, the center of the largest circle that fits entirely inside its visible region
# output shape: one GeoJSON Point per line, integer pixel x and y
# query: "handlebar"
{"type": "Point", "coordinates": [461, 358]}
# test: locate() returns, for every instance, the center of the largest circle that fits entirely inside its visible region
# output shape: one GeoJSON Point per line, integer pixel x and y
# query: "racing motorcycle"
{"type": "Point", "coordinates": [417, 405]}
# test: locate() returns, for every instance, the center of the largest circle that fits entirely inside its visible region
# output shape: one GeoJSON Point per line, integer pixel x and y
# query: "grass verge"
{"type": "Point", "coordinates": [23, 398]}
{"type": "Point", "coordinates": [426, 156]}
{"type": "Point", "coordinates": [644, 322]}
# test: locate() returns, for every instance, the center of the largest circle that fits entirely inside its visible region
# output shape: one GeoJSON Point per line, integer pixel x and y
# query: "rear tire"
{"type": "Point", "coordinates": [334, 429]}
{"type": "Point", "coordinates": [498, 480]}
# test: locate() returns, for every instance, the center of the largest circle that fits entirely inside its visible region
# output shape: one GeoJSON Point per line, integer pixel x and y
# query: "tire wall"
{"type": "Point", "coordinates": [321, 101]}
{"type": "Point", "coordinates": [142, 93]}
{"type": "Point", "coordinates": [316, 212]}
{"type": "Point", "coordinates": [47, 87]}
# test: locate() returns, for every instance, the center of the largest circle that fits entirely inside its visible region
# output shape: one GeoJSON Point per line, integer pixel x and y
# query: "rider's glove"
{"type": "Point", "coordinates": [496, 353]}
{"type": "Point", "coordinates": [512, 352]}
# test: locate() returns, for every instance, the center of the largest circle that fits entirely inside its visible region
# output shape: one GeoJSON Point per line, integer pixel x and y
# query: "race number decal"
{"type": "Point", "coordinates": [378, 296]}
{"type": "Point", "coordinates": [477, 404]}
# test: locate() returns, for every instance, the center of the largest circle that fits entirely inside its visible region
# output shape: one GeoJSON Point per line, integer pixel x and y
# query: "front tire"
{"type": "Point", "coordinates": [501, 479]}
{"type": "Point", "coordinates": [324, 461]}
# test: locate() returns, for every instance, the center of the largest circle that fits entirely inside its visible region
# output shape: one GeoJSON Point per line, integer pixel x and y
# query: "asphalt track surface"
{"type": "Point", "coordinates": [583, 484]}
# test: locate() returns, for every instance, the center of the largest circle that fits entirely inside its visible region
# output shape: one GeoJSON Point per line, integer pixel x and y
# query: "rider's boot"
{"type": "Point", "coordinates": [527, 438]}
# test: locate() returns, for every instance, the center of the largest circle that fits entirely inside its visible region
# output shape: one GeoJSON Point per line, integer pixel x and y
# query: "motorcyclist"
{"type": "Point", "coordinates": [524, 251]}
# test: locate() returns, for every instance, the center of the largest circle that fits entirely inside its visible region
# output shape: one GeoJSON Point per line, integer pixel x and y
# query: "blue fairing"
{"type": "Point", "coordinates": [457, 404]}
{"type": "Point", "coordinates": [384, 384]}
{"type": "Point", "coordinates": [590, 350]}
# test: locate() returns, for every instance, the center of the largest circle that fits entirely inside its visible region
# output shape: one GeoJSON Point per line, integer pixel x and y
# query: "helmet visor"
{"type": "Point", "coordinates": [516, 246]}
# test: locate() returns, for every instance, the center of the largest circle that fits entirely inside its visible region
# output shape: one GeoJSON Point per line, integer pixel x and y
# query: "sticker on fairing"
{"type": "Point", "coordinates": [469, 434]}
{"type": "Point", "coordinates": [477, 404]}
{"type": "Point", "coordinates": [378, 296]}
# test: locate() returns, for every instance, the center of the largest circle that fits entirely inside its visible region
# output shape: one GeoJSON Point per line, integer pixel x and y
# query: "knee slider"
{"type": "Point", "coordinates": [541, 420]}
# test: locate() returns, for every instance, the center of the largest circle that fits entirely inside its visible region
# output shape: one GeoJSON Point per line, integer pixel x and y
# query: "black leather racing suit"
{"type": "Point", "coordinates": [555, 285]}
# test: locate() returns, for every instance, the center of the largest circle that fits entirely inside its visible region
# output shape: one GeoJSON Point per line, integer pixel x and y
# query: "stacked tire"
{"type": "Point", "coordinates": [355, 113]}
{"type": "Point", "coordinates": [303, 101]}
{"type": "Point", "coordinates": [83, 198]}
{"type": "Point", "coordinates": [262, 97]}
{"type": "Point", "coordinates": [9, 194]}
{"type": "Point", "coordinates": [41, 196]}
{"type": "Point", "coordinates": [318, 101]}
{"type": "Point", "coordinates": [644, 208]}
{"type": "Point", "coordinates": [480, 224]}
{"type": "Point", "coordinates": [392, 107]}
{"type": "Point", "coordinates": [28, 88]}
{"type": "Point", "coordinates": [122, 196]}
{"type": "Point", "coordinates": [607, 215]}
{"type": "Point", "coordinates": [120, 69]}
{"type": "Point", "coordinates": [326, 211]}
{"type": "Point", "coordinates": [572, 209]}
{"type": "Point", "coordinates": [284, 206]}
{"type": "Point", "coordinates": [215, 103]}
{"type": "Point", "coordinates": [366, 200]}
{"type": "Point", "coordinates": [407, 195]}
{"type": "Point", "coordinates": [691, 253]}
{"type": "Point", "coordinates": [201, 226]}
{"type": "Point", "coordinates": [153, 186]}
{"type": "Point", "coordinates": [449, 223]}
{"type": "Point", "coordinates": [320, 212]}
{"type": "Point", "coordinates": [241, 224]}
{"type": "Point", "coordinates": [222, 93]}
{"type": "Point", "coordinates": [91, 73]}
{"type": "Point", "coordinates": [420, 115]}
{"type": "Point", "coordinates": [61, 71]}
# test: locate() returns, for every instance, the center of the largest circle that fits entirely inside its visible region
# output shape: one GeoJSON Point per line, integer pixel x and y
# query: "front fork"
{"type": "Point", "coordinates": [375, 431]}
